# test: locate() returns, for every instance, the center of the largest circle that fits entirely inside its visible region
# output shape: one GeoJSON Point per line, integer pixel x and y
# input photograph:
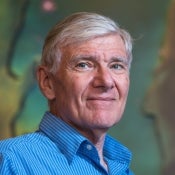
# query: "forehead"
{"type": "Point", "coordinates": [109, 44]}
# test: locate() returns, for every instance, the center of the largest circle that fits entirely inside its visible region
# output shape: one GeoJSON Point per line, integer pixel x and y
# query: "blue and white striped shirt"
{"type": "Point", "coordinates": [57, 148]}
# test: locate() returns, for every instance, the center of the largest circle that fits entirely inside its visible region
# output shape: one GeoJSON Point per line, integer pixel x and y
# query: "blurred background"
{"type": "Point", "coordinates": [147, 127]}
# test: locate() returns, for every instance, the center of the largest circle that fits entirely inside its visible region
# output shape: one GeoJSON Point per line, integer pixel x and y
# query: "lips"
{"type": "Point", "coordinates": [101, 98]}
{"type": "Point", "coordinates": [101, 103]}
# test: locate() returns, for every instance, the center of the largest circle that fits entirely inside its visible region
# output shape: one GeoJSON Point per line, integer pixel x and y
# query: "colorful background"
{"type": "Point", "coordinates": [147, 126]}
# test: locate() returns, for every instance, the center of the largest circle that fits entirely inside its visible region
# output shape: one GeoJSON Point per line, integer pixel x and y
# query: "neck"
{"type": "Point", "coordinates": [97, 137]}
{"type": "Point", "coordinates": [98, 141]}
{"type": "Point", "coordinates": [99, 146]}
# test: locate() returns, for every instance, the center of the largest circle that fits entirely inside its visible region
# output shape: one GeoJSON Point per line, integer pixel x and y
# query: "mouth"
{"type": "Point", "coordinates": [101, 99]}
{"type": "Point", "coordinates": [102, 103]}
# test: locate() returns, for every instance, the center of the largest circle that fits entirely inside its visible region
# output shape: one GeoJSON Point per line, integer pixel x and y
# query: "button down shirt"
{"type": "Point", "coordinates": [57, 148]}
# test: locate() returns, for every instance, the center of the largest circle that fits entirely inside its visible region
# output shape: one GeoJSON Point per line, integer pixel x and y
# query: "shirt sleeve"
{"type": "Point", "coordinates": [6, 166]}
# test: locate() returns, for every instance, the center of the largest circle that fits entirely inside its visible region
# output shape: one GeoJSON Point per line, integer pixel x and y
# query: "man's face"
{"type": "Point", "coordinates": [91, 85]}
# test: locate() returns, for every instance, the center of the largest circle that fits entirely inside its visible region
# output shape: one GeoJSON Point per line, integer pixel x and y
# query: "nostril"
{"type": "Point", "coordinates": [103, 81]}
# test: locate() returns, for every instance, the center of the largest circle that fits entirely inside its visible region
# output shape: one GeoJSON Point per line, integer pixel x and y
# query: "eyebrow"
{"type": "Point", "coordinates": [120, 59]}
{"type": "Point", "coordinates": [77, 58]}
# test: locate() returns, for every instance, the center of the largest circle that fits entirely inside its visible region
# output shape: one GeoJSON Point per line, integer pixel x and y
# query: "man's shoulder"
{"type": "Point", "coordinates": [21, 142]}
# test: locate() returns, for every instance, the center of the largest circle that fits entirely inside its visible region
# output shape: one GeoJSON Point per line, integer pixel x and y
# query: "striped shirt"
{"type": "Point", "coordinates": [56, 148]}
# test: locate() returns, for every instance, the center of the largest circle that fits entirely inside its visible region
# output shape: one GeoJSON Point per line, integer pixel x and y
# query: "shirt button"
{"type": "Point", "coordinates": [89, 147]}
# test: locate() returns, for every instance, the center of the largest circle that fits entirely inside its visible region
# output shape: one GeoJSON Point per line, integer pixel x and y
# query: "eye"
{"type": "Point", "coordinates": [83, 66]}
{"type": "Point", "coordinates": [117, 66]}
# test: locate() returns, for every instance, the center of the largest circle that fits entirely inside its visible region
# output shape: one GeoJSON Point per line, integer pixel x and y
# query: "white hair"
{"type": "Point", "coordinates": [79, 27]}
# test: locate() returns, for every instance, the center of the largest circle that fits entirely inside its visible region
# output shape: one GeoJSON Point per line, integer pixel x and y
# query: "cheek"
{"type": "Point", "coordinates": [123, 84]}
{"type": "Point", "coordinates": [127, 84]}
{"type": "Point", "coordinates": [79, 85]}
{"type": "Point", "coordinates": [76, 86]}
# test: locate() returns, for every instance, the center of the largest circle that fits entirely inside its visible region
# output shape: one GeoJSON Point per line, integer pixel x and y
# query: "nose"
{"type": "Point", "coordinates": [103, 79]}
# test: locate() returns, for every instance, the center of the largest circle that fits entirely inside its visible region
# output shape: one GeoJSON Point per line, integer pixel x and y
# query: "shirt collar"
{"type": "Point", "coordinates": [114, 150]}
{"type": "Point", "coordinates": [67, 139]}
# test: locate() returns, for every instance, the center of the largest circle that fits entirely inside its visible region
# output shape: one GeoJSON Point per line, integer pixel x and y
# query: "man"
{"type": "Point", "coordinates": [84, 74]}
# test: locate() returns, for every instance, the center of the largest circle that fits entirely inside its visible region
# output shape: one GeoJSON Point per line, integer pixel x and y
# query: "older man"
{"type": "Point", "coordinates": [84, 74]}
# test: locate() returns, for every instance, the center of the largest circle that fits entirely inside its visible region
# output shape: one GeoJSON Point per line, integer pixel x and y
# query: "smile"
{"type": "Point", "coordinates": [101, 99]}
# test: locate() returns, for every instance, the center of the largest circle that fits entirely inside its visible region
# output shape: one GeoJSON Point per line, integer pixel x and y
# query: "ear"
{"type": "Point", "coordinates": [45, 82]}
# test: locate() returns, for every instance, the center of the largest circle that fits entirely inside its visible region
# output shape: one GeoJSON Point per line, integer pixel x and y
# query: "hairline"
{"type": "Point", "coordinates": [61, 39]}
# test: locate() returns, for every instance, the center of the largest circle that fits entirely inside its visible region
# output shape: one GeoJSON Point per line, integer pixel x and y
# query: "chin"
{"type": "Point", "coordinates": [105, 124]}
